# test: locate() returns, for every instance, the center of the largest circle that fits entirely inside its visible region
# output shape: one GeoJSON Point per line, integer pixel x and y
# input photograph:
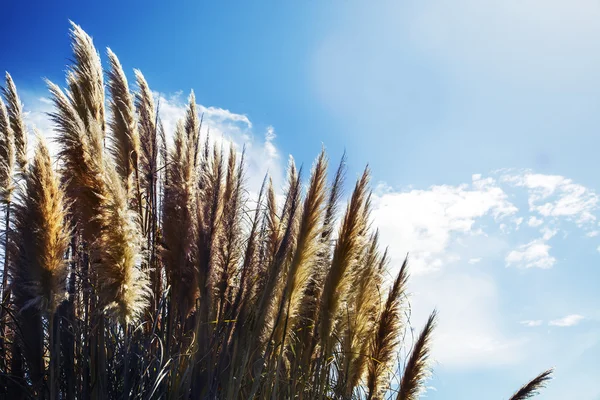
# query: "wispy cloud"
{"type": "Point", "coordinates": [534, 221]}
{"type": "Point", "coordinates": [557, 196]}
{"type": "Point", "coordinates": [532, 322]}
{"type": "Point", "coordinates": [220, 114]}
{"type": "Point", "coordinates": [424, 221]}
{"type": "Point", "coordinates": [569, 320]}
{"type": "Point", "coordinates": [534, 254]}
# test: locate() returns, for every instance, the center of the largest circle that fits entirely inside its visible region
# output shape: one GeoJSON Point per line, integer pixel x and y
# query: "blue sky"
{"type": "Point", "coordinates": [479, 120]}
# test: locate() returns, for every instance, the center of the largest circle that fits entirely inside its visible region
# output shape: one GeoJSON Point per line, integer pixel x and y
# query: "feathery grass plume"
{"type": "Point", "coordinates": [38, 265]}
{"type": "Point", "coordinates": [306, 249]}
{"type": "Point", "coordinates": [179, 232]}
{"type": "Point", "coordinates": [144, 104]}
{"type": "Point", "coordinates": [79, 120]}
{"type": "Point", "coordinates": [192, 127]}
{"type": "Point", "coordinates": [243, 296]}
{"type": "Point", "coordinates": [41, 238]}
{"type": "Point", "coordinates": [387, 336]}
{"type": "Point", "coordinates": [163, 152]}
{"type": "Point", "coordinates": [308, 335]}
{"type": "Point", "coordinates": [267, 238]}
{"type": "Point", "coordinates": [281, 246]}
{"type": "Point", "coordinates": [344, 257]}
{"type": "Point", "coordinates": [273, 235]}
{"type": "Point", "coordinates": [149, 175]}
{"type": "Point", "coordinates": [103, 211]}
{"type": "Point", "coordinates": [363, 316]}
{"type": "Point", "coordinates": [292, 193]}
{"type": "Point", "coordinates": [331, 209]}
{"type": "Point", "coordinates": [7, 155]}
{"type": "Point", "coordinates": [279, 249]}
{"type": "Point", "coordinates": [125, 140]}
{"type": "Point", "coordinates": [273, 221]}
{"type": "Point", "coordinates": [85, 78]}
{"type": "Point", "coordinates": [229, 246]}
{"type": "Point", "coordinates": [81, 153]}
{"type": "Point", "coordinates": [7, 167]}
{"type": "Point", "coordinates": [250, 264]}
{"type": "Point", "coordinates": [417, 368]}
{"type": "Point", "coordinates": [210, 203]}
{"type": "Point", "coordinates": [276, 238]}
{"type": "Point", "coordinates": [123, 287]}
{"type": "Point", "coordinates": [17, 123]}
{"type": "Point", "coordinates": [532, 388]}
{"type": "Point", "coordinates": [210, 212]}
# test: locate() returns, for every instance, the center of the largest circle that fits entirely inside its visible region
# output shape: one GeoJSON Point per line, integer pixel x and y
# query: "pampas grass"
{"type": "Point", "coordinates": [16, 121]}
{"type": "Point", "coordinates": [142, 267]}
{"type": "Point", "coordinates": [532, 388]}
{"type": "Point", "coordinates": [416, 369]}
{"type": "Point", "coordinates": [38, 268]}
{"type": "Point", "coordinates": [123, 124]}
{"type": "Point", "coordinates": [40, 239]}
{"type": "Point", "coordinates": [7, 155]}
{"type": "Point", "coordinates": [387, 336]}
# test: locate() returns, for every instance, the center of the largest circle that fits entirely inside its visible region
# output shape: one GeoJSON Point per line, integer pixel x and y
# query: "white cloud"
{"type": "Point", "coordinates": [557, 196]}
{"type": "Point", "coordinates": [422, 221]}
{"type": "Point", "coordinates": [518, 222]}
{"type": "Point", "coordinates": [569, 320]}
{"type": "Point", "coordinates": [270, 148]}
{"type": "Point", "coordinates": [532, 323]}
{"type": "Point", "coordinates": [548, 233]}
{"type": "Point", "coordinates": [534, 254]}
{"type": "Point", "coordinates": [592, 234]}
{"type": "Point", "coordinates": [534, 221]}
{"type": "Point", "coordinates": [474, 260]}
{"type": "Point", "coordinates": [45, 100]}
{"type": "Point", "coordinates": [219, 114]}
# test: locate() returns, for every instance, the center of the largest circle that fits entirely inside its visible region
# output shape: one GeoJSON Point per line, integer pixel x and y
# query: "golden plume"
{"type": "Point", "coordinates": [125, 140]}
{"type": "Point", "coordinates": [307, 247]}
{"type": "Point", "coordinates": [387, 336]}
{"type": "Point", "coordinates": [532, 387]}
{"type": "Point", "coordinates": [344, 258]}
{"type": "Point", "coordinates": [17, 123]}
{"type": "Point", "coordinates": [85, 78]}
{"type": "Point", "coordinates": [7, 155]}
{"type": "Point", "coordinates": [417, 368]}
{"type": "Point", "coordinates": [41, 238]}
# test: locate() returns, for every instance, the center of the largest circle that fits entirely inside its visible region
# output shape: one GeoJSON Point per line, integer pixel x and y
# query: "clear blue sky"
{"type": "Point", "coordinates": [479, 120]}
